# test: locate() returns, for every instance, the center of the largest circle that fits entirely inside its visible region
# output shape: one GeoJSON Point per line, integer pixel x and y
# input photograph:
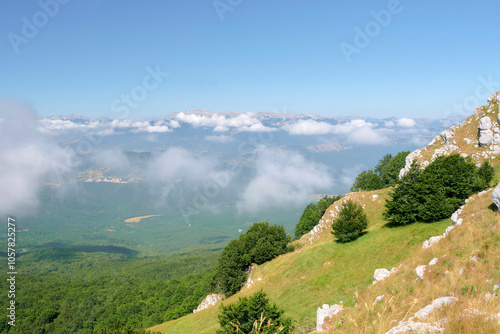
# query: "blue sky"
{"type": "Point", "coordinates": [425, 60]}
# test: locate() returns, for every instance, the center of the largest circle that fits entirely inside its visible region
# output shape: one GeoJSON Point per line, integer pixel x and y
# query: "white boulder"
{"type": "Point", "coordinates": [326, 312]}
{"type": "Point", "coordinates": [381, 274]}
{"type": "Point", "coordinates": [495, 196]}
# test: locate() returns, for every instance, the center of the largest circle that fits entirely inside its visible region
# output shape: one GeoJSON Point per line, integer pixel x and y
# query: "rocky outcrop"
{"type": "Point", "coordinates": [416, 323]}
{"type": "Point", "coordinates": [485, 133]}
{"type": "Point", "coordinates": [326, 312]}
{"type": "Point", "coordinates": [436, 304]}
{"type": "Point", "coordinates": [209, 301]}
{"type": "Point", "coordinates": [459, 138]}
{"type": "Point", "coordinates": [416, 327]}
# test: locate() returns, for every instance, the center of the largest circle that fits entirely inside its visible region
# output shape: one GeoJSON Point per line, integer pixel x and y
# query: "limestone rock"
{"type": "Point", "coordinates": [495, 196]}
{"type": "Point", "coordinates": [485, 123]}
{"type": "Point", "coordinates": [420, 271]}
{"type": "Point", "coordinates": [209, 301]}
{"type": "Point", "coordinates": [446, 135]}
{"type": "Point", "coordinates": [326, 312]}
{"type": "Point", "coordinates": [485, 133]}
{"type": "Point", "coordinates": [381, 274]}
{"type": "Point", "coordinates": [438, 303]}
{"type": "Point", "coordinates": [416, 327]}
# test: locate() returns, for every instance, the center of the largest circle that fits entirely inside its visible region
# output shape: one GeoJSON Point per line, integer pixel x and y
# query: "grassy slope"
{"type": "Point", "coordinates": [323, 272]}
{"type": "Point", "coordinates": [404, 294]}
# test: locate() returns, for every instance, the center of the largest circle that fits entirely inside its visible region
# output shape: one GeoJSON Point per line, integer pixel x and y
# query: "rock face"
{"type": "Point", "coordinates": [485, 133]}
{"type": "Point", "coordinates": [326, 312]}
{"type": "Point", "coordinates": [495, 196]}
{"type": "Point", "coordinates": [209, 301]}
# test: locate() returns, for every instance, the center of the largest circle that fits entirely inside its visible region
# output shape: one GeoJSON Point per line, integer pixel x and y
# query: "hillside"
{"type": "Point", "coordinates": [464, 265]}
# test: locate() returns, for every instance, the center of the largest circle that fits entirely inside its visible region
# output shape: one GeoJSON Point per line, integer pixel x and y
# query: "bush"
{"type": "Point", "coordinates": [436, 192]}
{"type": "Point", "coordinates": [351, 222]}
{"type": "Point", "coordinates": [253, 314]}
{"type": "Point", "coordinates": [261, 243]}
{"type": "Point", "coordinates": [312, 214]}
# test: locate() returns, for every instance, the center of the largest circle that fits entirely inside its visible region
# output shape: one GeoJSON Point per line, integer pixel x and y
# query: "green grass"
{"type": "Point", "coordinates": [302, 281]}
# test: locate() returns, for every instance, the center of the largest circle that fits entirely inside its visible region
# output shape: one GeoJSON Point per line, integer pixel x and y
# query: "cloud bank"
{"type": "Point", "coordinates": [26, 157]}
{"type": "Point", "coordinates": [282, 178]}
{"type": "Point", "coordinates": [357, 131]}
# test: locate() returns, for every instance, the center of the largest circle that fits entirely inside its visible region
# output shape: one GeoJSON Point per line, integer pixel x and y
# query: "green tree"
{"type": "Point", "coordinates": [254, 314]}
{"type": "Point", "coordinates": [261, 243]}
{"type": "Point", "coordinates": [485, 173]}
{"type": "Point", "coordinates": [390, 170]}
{"type": "Point", "coordinates": [350, 223]}
{"type": "Point", "coordinates": [382, 163]}
{"type": "Point", "coordinates": [312, 214]}
{"type": "Point", "coordinates": [403, 205]}
{"type": "Point", "coordinates": [385, 174]}
{"type": "Point", "coordinates": [367, 180]}
{"type": "Point", "coordinates": [436, 192]}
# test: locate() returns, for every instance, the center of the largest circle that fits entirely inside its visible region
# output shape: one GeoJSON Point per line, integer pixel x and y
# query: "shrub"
{"type": "Point", "coordinates": [312, 214]}
{"type": "Point", "coordinates": [351, 222]}
{"type": "Point", "coordinates": [436, 192]}
{"type": "Point", "coordinates": [254, 314]}
{"type": "Point", "coordinates": [261, 243]}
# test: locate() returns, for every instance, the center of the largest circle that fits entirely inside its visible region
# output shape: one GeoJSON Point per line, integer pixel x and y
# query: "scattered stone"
{"type": "Point", "coordinates": [431, 241]}
{"type": "Point", "coordinates": [378, 299]}
{"type": "Point", "coordinates": [326, 312]}
{"type": "Point", "coordinates": [420, 271]}
{"type": "Point", "coordinates": [433, 262]}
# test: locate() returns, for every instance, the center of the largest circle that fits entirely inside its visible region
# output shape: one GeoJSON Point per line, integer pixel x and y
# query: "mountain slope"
{"type": "Point", "coordinates": [324, 272]}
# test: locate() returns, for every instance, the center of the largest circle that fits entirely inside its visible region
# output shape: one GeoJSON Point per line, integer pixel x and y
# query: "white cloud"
{"type": "Point", "coordinates": [406, 122]}
{"type": "Point", "coordinates": [308, 127]}
{"type": "Point", "coordinates": [26, 157]}
{"type": "Point", "coordinates": [64, 124]}
{"type": "Point", "coordinates": [256, 128]}
{"type": "Point", "coordinates": [221, 128]}
{"type": "Point", "coordinates": [179, 165]}
{"type": "Point", "coordinates": [244, 122]}
{"type": "Point", "coordinates": [220, 139]}
{"type": "Point", "coordinates": [357, 131]}
{"type": "Point", "coordinates": [283, 178]}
